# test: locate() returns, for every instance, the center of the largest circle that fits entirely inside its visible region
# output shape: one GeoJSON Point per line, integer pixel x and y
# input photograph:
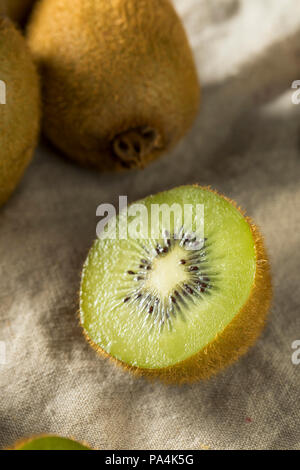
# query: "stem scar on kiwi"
{"type": "Point", "coordinates": [165, 311]}
{"type": "Point", "coordinates": [132, 147]}
{"type": "Point", "coordinates": [121, 85]}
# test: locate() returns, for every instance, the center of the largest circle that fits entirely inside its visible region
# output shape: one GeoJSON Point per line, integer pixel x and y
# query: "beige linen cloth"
{"type": "Point", "coordinates": [245, 143]}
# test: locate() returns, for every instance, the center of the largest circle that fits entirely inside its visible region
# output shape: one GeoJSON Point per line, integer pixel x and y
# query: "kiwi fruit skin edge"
{"type": "Point", "coordinates": [20, 116]}
{"type": "Point", "coordinates": [49, 442]}
{"type": "Point", "coordinates": [120, 82]}
{"type": "Point", "coordinates": [16, 10]}
{"type": "Point", "coordinates": [234, 341]}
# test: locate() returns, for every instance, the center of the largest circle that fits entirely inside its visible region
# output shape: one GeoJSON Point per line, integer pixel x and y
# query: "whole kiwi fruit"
{"type": "Point", "coordinates": [19, 107]}
{"type": "Point", "coordinates": [119, 80]}
{"type": "Point", "coordinates": [17, 10]}
{"type": "Point", "coordinates": [180, 303]}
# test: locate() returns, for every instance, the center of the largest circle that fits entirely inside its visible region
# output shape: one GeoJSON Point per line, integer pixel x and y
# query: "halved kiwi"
{"type": "Point", "coordinates": [48, 442]}
{"type": "Point", "coordinates": [181, 305]}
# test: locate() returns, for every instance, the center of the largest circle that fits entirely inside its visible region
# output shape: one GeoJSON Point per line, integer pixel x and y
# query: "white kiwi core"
{"type": "Point", "coordinates": [166, 273]}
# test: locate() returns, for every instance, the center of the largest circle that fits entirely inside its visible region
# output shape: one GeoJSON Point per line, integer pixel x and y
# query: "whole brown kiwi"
{"type": "Point", "coordinates": [120, 82]}
{"type": "Point", "coordinates": [19, 107]}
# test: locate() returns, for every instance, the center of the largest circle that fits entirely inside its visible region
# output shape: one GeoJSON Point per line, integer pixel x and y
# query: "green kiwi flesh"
{"type": "Point", "coordinates": [50, 443]}
{"type": "Point", "coordinates": [152, 303]}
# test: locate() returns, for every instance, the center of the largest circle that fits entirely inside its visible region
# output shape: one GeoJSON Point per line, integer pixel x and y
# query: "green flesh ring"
{"type": "Point", "coordinates": [153, 303]}
{"type": "Point", "coordinates": [51, 443]}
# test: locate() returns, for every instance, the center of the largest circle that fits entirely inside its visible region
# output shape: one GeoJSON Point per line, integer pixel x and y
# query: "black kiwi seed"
{"type": "Point", "coordinates": [127, 298]}
{"type": "Point", "coordinates": [194, 268]}
{"type": "Point", "coordinates": [188, 289]}
{"type": "Point", "coordinates": [131, 273]}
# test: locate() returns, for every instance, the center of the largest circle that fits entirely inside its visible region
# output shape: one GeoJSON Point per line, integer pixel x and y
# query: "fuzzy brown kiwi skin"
{"type": "Point", "coordinates": [20, 116]}
{"type": "Point", "coordinates": [233, 341]}
{"type": "Point", "coordinates": [135, 71]}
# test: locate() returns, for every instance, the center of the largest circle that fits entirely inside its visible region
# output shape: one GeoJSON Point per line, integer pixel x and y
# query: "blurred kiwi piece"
{"type": "Point", "coordinates": [120, 82]}
{"type": "Point", "coordinates": [19, 107]}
